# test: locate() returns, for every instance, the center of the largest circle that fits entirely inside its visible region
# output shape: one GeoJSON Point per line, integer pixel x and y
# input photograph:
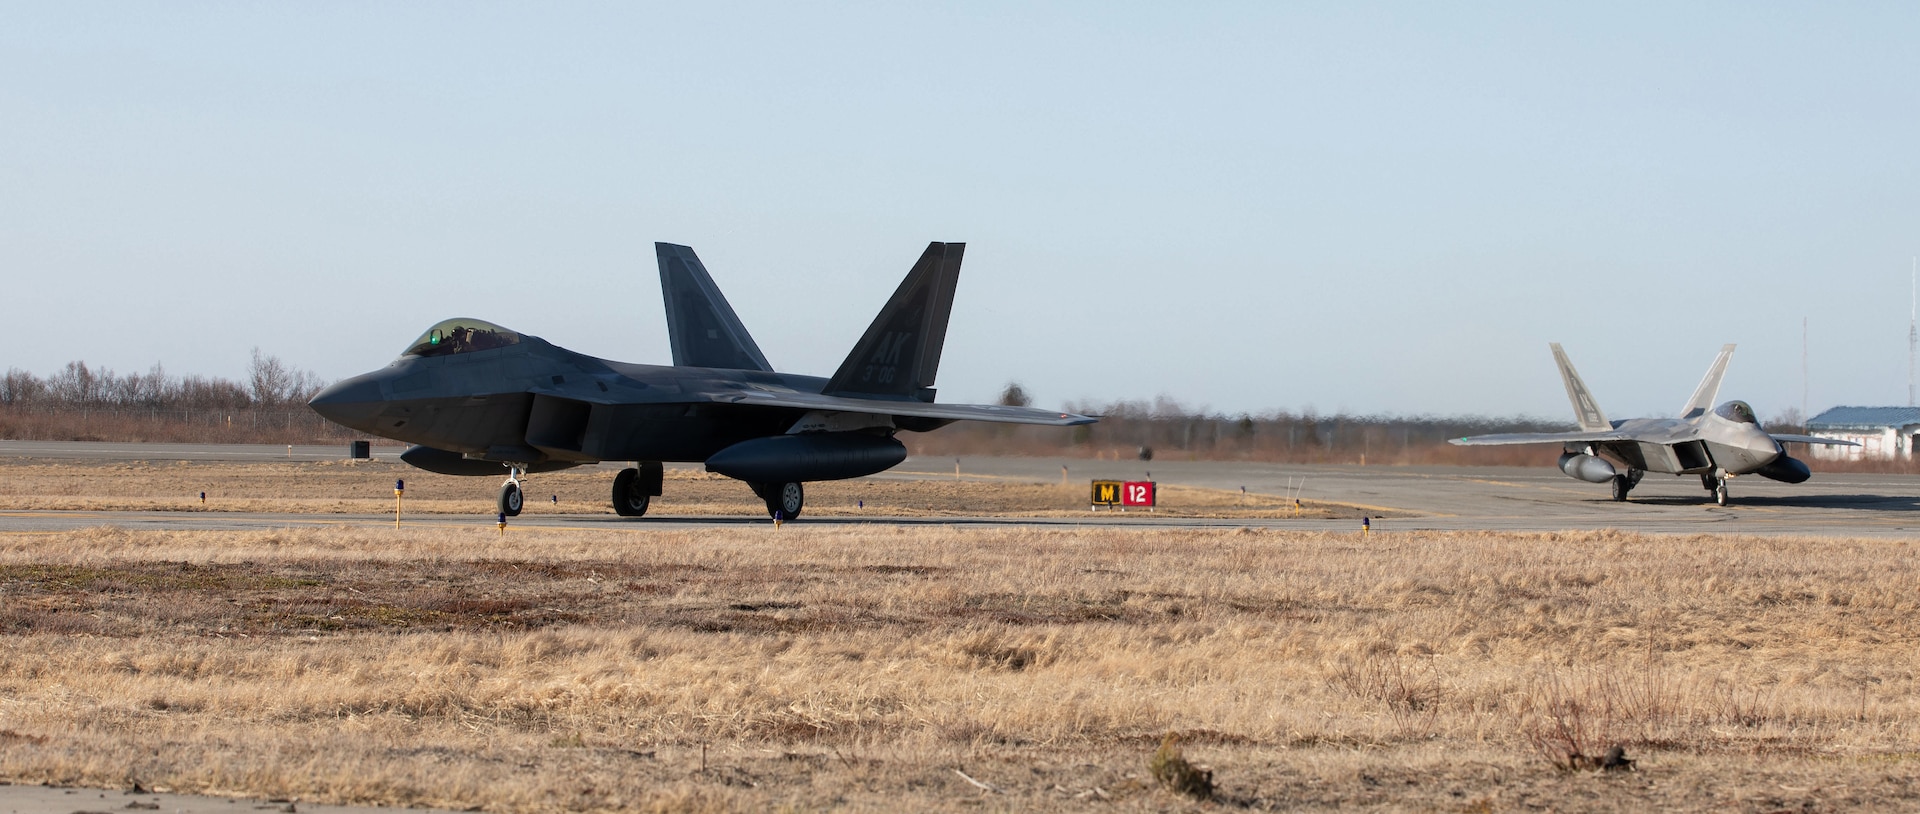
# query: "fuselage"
{"type": "Point", "coordinates": [533, 402]}
{"type": "Point", "coordinates": [1706, 443]}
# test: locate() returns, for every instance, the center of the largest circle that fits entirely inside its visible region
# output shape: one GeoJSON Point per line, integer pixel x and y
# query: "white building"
{"type": "Point", "coordinates": [1883, 433]}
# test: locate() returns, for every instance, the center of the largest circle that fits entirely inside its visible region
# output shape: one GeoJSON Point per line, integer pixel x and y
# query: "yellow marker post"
{"type": "Point", "coordinates": [502, 525]}
{"type": "Point", "coordinates": [1366, 525]}
{"type": "Point", "coordinates": [399, 489]}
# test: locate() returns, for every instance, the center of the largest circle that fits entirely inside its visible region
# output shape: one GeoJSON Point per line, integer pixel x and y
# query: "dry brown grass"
{"type": "Point", "coordinates": [366, 487]}
{"type": "Point", "coordinates": [867, 667]}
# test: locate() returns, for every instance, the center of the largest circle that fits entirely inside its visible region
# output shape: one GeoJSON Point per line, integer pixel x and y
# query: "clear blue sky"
{"type": "Point", "coordinates": [1244, 206]}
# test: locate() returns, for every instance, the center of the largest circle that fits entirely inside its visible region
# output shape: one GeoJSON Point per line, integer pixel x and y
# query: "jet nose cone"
{"type": "Point", "coordinates": [351, 402]}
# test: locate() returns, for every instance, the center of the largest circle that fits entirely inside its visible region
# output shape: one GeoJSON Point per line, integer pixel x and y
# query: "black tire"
{"type": "Point", "coordinates": [1621, 488]}
{"type": "Point", "coordinates": [511, 499]}
{"type": "Point", "coordinates": [1720, 493]}
{"type": "Point", "coordinates": [785, 500]}
{"type": "Point", "coordinates": [630, 498]}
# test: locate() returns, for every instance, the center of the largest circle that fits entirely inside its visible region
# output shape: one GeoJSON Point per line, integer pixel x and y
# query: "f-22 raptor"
{"type": "Point", "coordinates": [478, 399]}
{"type": "Point", "coordinates": [1716, 444]}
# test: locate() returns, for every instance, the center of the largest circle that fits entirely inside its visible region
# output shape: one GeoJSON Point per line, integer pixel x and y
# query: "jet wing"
{"type": "Point", "coordinates": [1810, 439]}
{"type": "Point", "coordinates": [917, 409]}
{"type": "Point", "coordinates": [1540, 438]}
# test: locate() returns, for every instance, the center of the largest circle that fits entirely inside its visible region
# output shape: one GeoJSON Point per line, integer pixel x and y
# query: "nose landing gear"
{"type": "Point", "coordinates": [1716, 483]}
{"type": "Point", "coordinates": [511, 500]}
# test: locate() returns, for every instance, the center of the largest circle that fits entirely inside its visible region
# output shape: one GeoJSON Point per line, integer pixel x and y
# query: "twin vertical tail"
{"type": "Point", "coordinates": [1585, 410]}
{"type": "Point", "coordinates": [701, 325]}
{"type": "Point", "coordinates": [1709, 388]}
{"type": "Point", "coordinates": [900, 352]}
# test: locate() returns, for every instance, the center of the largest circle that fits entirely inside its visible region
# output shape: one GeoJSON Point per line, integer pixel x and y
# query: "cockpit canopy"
{"type": "Point", "coordinates": [461, 335]}
{"type": "Point", "coordinates": [1737, 412]}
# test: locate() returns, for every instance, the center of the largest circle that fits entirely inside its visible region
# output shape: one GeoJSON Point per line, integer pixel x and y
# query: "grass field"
{"type": "Point", "coordinates": [882, 668]}
{"type": "Point", "coordinates": [366, 487]}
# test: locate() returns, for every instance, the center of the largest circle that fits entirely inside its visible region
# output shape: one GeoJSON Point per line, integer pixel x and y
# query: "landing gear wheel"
{"type": "Point", "coordinates": [1621, 486]}
{"type": "Point", "coordinates": [630, 498]}
{"type": "Point", "coordinates": [1720, 493]}
{"type": "Point", "coordinates": [510, 499]}
{"type": "Point", "coordinates": [784, 500]}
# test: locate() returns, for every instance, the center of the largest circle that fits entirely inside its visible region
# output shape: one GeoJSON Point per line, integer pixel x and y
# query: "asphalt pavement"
{"type": "Point", "coordinates": [1400, 498]}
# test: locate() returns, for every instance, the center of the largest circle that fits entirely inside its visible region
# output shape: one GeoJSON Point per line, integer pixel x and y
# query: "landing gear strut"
{"type": "Point", "coordinates": [784, 500]}
{"type": "Point", "coordinates": [1622, 484]}
{"type": "Point", "coordinates": [633, 489]}
{"type": "Point", "coordinates": [1717, 484]}
{"type": "Point", "coordinates": [510, 498]}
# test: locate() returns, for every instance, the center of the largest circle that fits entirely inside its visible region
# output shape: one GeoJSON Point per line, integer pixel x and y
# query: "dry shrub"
{"type": "Point", "coordinates": [1411, 694]}
{"type": "Point", "coordinates": [1172, 769]}
{"type": "Point", "coordinates": [1571, 721]}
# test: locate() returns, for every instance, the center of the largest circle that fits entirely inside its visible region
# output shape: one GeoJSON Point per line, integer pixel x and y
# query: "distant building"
{"type": "Point", "coordinates": [1883, 433]}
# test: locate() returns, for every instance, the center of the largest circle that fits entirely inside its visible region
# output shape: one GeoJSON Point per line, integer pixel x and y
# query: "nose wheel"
{"type": "Point", "coordinates": [1716, 485]}
{"type": "Point", "coordinates": [511, 499]}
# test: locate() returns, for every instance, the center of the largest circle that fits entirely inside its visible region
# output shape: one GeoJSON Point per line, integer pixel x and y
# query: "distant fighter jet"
{"type": "Point", "coordinates": [1716, 444]}
{"type": "Point", "coordinates": [478, 399]}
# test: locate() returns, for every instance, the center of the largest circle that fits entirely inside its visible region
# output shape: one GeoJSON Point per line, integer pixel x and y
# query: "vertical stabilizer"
{"type": "Point", "coordinates": [900, 352]}
{"type": "Point", "coordinates": [1709, 388]}
{"type": "Point", "coordinates": [701, 325]}
{"type": "Point", "coordinates": [1585, 410]}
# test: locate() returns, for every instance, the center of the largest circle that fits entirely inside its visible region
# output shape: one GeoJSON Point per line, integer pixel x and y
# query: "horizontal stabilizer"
{"type": "Point", "coordinates": [900, 352]}
{"type": "Point", "coordinates": [701, 325]}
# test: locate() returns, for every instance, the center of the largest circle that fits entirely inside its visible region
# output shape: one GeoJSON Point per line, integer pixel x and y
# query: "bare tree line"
{"type": "Point", "coordinates": [270, 383]}
{"type": "Point", "coordinates": [82, 402]}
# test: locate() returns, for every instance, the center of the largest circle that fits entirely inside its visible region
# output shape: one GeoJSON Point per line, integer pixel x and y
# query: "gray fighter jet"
{"type": "Point", "coordinates": [1716, 444]}
{"type": "Point", "coordinates": [478, 399]}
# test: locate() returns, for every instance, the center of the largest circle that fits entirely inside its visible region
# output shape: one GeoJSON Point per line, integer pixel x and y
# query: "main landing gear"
{"type": "Point", "coordinates": [1622, 484]}
{"type": "Point", "coordinates": [1717, 484]}
{"type": "Point", "coordinates": [511, 500]}
{"type": "Point", "coordinates": [784, 500]}
{"type": "Point", "coordinates": [633, 489]}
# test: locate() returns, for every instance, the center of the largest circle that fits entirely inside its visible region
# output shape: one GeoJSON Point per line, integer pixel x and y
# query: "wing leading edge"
{"type": "Point", "coordinates": [1500, 439]}
{"type": "Point", "coordinates": [1811, 439]}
